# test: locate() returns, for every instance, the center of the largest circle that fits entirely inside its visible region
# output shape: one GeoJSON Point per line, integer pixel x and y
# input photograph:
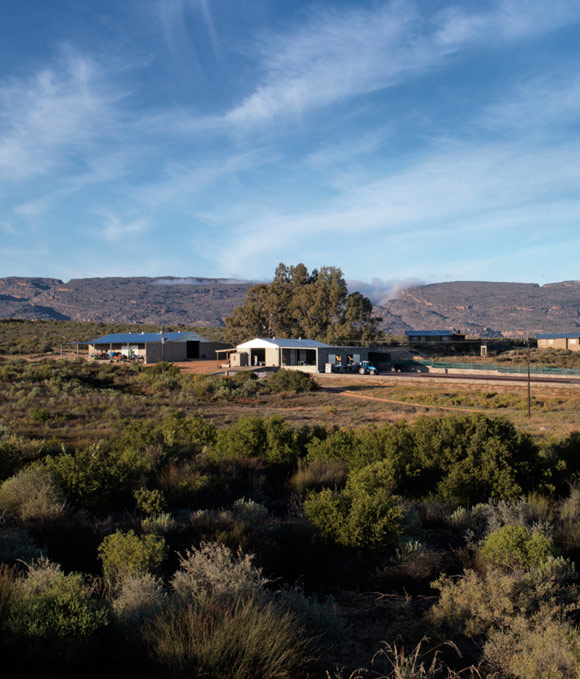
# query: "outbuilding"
{"type": "Point", "coordinates": [431, 336]}
{"type": "Point", "coordinates": [298, 354]}
{"type": "Point", "coordinates": [559, 340]}
{"type": "Point", "coordinates": [153, 347]}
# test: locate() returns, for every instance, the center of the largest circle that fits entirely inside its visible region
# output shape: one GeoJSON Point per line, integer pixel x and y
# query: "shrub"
{"type": "Point", "coordinates": [269, 438]}
{"type": "Point", "coordinates": [542, 649]}
{"type": "Point", "coordinates": [127, 553]}
{"type": "Point", "coordinates": [515, 547]}
{"type": "Point", "coordinates": [97, 477]}
{"type": "Point", "coordinates": [213, 571]}
{"type": "Point", "coordinates": [139, 596]}
{"type": "Point", "coordinates": [472, 605]}
{"type": "Point", "coordinates": [149, 502]}
{"type": "Point", "coordinates": [32, 494]}
{"type": "Point", "coordinates": [54, 617]}
{"type": "Point", "coordinates": [249, 511]}
{"type": "Point", "coordinates": [244, 640]}
{"type": "Point", "coordinates": [292, 381]}
{"type": "Point", "coordinates": [160, 523]}
{"type": "Point", "coordinates": [364, 516]}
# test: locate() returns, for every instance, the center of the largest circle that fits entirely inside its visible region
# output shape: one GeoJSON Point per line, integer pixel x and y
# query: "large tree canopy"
{"type": "Point", "coordinates": [300, 304]}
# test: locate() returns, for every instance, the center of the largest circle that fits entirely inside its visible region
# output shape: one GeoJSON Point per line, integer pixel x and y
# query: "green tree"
{"type": "Point", "coordinates": [299, 304]}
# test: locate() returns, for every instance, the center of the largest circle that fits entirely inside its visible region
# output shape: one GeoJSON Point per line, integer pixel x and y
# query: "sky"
{"type": "Point", "coordinates": [402, 141]}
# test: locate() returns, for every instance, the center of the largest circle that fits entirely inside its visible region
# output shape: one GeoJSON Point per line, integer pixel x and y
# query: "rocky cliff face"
{"type": "Point", "coordinates": [195, 301]}
{"type": "Point", "coordinates": [486, 309]}
{"type": "Point", "coordinates": [476, 308]}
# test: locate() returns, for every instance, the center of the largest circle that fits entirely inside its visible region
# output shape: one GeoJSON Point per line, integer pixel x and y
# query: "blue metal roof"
{"type": "Point", "coordinates": [431, 333]}
{"type": "Point", "coordinates": [559, 335]}
{"type": "Point", "coordinates": [284, 343]}
{"type": "Point", "coordinates": [146, 337]}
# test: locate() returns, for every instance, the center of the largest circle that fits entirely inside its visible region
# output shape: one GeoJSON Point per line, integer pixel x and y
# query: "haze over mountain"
{"type": "Point", "coordinates": [476, 308]}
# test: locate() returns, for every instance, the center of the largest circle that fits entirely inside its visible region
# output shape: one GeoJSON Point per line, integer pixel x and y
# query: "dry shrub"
{"type": "Point", "coordinates": [212, 571]}
{"type": "Point", "coordinates": [542, 649]}
{"type": "Point", "coordinates": [32, 494]}
{"type": "Point", "coordinates": [473, 604]}
{"type": "Point", "coordinates": [139, 596]}
{"type": "Point", "coordinates": [244, 639]}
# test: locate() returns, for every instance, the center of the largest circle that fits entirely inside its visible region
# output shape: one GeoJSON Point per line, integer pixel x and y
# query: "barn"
{"type": "Point", "coordinates": [152, 347]}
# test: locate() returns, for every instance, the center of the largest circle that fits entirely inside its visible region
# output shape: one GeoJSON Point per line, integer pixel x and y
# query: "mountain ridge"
{"type": "Point", "coordinates": [477, 308]}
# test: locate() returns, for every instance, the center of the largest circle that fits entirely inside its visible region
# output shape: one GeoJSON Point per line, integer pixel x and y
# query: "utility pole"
{"type": "Point", "coordinates": [529, 390]}
{"type": "Point", "coordinates": [162, 353]}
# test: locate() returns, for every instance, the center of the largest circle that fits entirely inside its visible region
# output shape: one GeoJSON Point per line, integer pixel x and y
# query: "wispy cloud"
{"type": "Point", "coordinates": [49, 119]}
{"type": "Point", "coordinates": [115, 228]}
{"type": "Point", "coordinates": [338, 55]}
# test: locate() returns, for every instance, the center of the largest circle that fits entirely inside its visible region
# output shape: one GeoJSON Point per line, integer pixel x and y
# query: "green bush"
{"type": "Point", "coordinates": [515, 547]}
{"type": "Point", "coordinates": [269, 438]}
{"type": "Point", "coordinates": [97, 477]}
{"type": "Point", "coordinates": [128, 554]}
{"type": "Point", "coordinates": [292, 381]}
{"type": "Point", "coordinates": [365, 515]}
{"type": "Point", "coordinates": [54, 618]}
{"type": "Point", "coordinates": [149, 502]}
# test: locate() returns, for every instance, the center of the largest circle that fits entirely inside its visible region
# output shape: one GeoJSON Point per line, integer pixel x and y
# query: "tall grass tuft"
{"type": "Point", "coordinates": [243, 640]}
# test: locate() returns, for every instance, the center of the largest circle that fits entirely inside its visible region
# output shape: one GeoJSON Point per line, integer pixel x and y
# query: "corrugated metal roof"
{"type": "Point", "coordinates": [147, 338]}
{"type": "Point", "coordinates": [559, 335]}
{"type": "Point", "coordinates": [260, 342]}
{"type": "Point", "coordinates": [431, 333]}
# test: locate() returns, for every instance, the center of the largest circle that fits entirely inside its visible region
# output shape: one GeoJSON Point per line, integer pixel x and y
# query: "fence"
{"type": "Point", "coordinates": [512, 369]}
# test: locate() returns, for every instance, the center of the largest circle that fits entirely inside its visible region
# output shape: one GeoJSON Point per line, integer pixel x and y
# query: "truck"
{"type": "Point", "coordinates": [367, 368]}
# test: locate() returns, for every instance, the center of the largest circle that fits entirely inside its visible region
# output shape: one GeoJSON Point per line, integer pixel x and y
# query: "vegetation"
{"type": "Point", "coordinates": [301, 304]}
{"type": "Point", "coordinates": [166, 527]}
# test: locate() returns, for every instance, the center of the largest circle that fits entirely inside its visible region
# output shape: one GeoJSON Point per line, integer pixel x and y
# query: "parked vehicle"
{"type": "Point", "coordinates": [367, 368]}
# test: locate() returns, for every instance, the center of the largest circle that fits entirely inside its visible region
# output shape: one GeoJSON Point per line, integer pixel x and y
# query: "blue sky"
{"type": "Point", "coordinates": [399, 140]}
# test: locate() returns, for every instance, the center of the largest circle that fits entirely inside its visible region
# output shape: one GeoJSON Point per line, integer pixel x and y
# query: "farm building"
{"type": "Point", "coordinates": [301, 354]}
{"type": "Point", "coordinates": [153, 347]}
{"type": "Point", "coordinates": [423, 336]}
{"type": "Point", "coordinates": [559, 340]}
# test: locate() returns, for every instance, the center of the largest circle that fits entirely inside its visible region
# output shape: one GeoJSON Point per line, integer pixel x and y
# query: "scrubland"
{"type": "Point", "coordinates": [201, 526]}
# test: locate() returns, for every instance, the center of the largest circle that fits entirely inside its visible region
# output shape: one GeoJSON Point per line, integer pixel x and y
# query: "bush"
{"type": "Point", "coordinates": [365, 515]}
{"type": "Point", "coordinates": [244, 640]}
{"type": "Point", "coordinates": [514, 547]}
{"type": "Point", "coordinates": [128, 554]}
{"type": "Point", "coordinates": [149, 502]}
{"type": "Point", "coordinates": [212, 571]}
{"type": "Point", "coordinates": [542, 649]}
{"type": "Point", "coordinates": [292, 381]}
{"type": "Point", "coordinates": [97, 477]}
{"type": "Point", "coordinates": [139, 596]}
{"type": "Point", "coordinates": [54, 618]}
{"type": "Point", "coordinates": [32, 494]}
{"type": "Point", "coordinates": [269, 438]}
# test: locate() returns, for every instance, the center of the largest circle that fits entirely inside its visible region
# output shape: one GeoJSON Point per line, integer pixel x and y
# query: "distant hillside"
{"type": "Point", "coordinates": [192, 301]}
{"type": "Point", "coordinates": [478, 309]}
{"type": "Point", "coordinates": [485, 309]}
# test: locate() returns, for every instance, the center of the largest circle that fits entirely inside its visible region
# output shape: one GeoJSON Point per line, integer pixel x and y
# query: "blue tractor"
{"type": "Point", "coordinates": [367, 368]}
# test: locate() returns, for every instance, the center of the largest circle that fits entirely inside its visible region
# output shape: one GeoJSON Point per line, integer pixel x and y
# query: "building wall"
{"type": "Point", "coordinates": [573, 344]}
{"type": "Point", "coordinates": [172, 351]}
{"type": "Point", "coordinates": [207, 349]}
